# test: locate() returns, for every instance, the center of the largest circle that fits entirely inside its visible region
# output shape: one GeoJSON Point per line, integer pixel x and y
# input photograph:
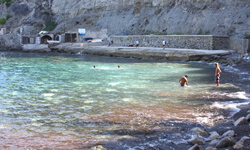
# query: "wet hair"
{"type": "Point", "coordinates": [186, 75]}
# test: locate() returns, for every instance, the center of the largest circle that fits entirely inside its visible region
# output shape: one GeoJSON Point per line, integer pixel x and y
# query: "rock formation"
{"type": "Point", "coordinates": [120, 17]}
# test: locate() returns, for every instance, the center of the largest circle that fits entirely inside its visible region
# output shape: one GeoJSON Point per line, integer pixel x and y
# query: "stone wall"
{"type": "Point", "coordinates": [96, 34]}
{"type": "Point", "coordinates": [241, 45]}
{"type": "Point", "coordinates": [207, 42]}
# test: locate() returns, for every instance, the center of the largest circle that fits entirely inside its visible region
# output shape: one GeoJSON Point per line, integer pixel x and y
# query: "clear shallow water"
{"type": "Point", "coordinates": [50, 101]}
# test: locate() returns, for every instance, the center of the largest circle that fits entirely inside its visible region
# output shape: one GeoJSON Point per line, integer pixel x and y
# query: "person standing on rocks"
{"type": "Point", "coordinates": [164, 44]}
{"type": "Point", "coordinates": [183, 80]}
{"type": "Point", "coordinates": [217, 73]}
{"type": "Point", "coordinates": [137, 43]}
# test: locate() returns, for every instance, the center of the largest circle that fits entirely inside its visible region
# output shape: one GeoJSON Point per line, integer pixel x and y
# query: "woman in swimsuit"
{"type": "Point", "coordinates": [217, 73]}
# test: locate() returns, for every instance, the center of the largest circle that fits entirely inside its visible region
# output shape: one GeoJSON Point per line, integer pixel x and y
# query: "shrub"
{"type": "Point", "coordinates": [7, 2]}
{"type": "Point", "coordinates": [50, 26]}
{"type": "Point", "coordinates": [8, 16]}
{"type": "Point", "coordinates": [2, 21]}
{"type": "Point", "coordinates": [46, 13]}
{"type": "Point", "coordinates": [247, 37]}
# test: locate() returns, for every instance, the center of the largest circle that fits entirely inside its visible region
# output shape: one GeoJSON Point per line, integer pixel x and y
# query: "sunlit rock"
{"type": "Point", "coordinates": [248, 117]}
{"type": "Point", "coordinates": [99, 147]}
{"type": "Point", "coordinates": [200, 131]}
{"type": "Point", "coordinates": [240, 143]}
{"type": "Point", "coordinates": [214, 142]}
{"type": "Point", "coordinates": [196, 140]}
{"type": "Point", "coordinates": [229, 133]}
{"type": "Point", "coordinates": [211, 148]}
{"type": "Point", "coordinates": [225, 142]}
{"type": "Point", "coordinates": [241, 120]}
{"type": "Point", "coordinates": [213, 135]}
{"type": "Point", "coordinates": [195, 147]}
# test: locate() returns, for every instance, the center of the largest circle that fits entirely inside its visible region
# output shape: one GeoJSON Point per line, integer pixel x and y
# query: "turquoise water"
{"type": "Point", "coordinates": [50, 101]}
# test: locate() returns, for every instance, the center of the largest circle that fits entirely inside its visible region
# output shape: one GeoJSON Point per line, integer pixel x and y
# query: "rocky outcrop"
{"type": "Point", "coordinates": [10, 42]}
{"type": "Point", "coordinates": [122, 17]}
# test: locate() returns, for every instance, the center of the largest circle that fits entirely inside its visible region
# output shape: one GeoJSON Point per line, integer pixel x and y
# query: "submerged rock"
{"type": "Point", "coordinates": [200, 131]}
{"type": "Point", "coordinates": [225, 142]}
{"type": "Point", "coordinates": [241, 120]}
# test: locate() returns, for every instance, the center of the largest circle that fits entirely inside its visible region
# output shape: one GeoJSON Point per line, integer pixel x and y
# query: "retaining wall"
{"type": "Point", "coordinates": [208, 42]}
{"type": "Point", "coordinates": [241, 45]}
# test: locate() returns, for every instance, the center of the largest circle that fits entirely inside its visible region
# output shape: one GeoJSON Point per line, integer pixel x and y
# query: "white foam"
{"type": "Point", "coordinates": [231, 69]}
{"type": "Point", "coordinates": [48, 94]}
{"type": "Point", "coordinates": [238, 95]}
{"type": "Point", "coordinates": [233, 107]}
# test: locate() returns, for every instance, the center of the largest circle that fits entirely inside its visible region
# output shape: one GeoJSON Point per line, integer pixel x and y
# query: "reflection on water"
{"type": "Point", "coordinates": [50, 101]}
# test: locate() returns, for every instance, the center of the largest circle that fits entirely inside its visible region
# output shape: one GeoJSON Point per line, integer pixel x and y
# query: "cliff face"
{"type": "Point", "coordinates": [120, 17]}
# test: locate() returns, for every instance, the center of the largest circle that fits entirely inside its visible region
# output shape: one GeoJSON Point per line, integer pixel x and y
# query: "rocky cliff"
{"type": "Point", "coordinates": [121, 17]}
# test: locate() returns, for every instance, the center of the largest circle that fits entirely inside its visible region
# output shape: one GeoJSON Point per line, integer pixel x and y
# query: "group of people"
{"type": "Point", "coordinates": [183, 80]}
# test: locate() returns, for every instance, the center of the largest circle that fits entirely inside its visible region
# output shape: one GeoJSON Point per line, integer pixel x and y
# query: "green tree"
{"type": "Point", "coordinates": [2, 21]}
{"type": "Point", "coordinates": [7, 2]}
{"type": "Point", "coordinates": [50, 26]}
{"type": "Point", "coordinates": [8, 16]}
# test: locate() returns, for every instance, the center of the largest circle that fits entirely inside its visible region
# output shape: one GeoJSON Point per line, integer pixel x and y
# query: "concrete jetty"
{"type": "Point", "coordinates": [141, 52]}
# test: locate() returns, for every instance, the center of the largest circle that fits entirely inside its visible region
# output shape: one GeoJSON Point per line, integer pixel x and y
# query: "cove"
{"type": "Point", "coordinates": [60, 100]}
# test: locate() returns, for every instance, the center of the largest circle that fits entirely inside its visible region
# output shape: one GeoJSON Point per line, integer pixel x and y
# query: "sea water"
{"type": "Point", "coordinates": [62, 101]}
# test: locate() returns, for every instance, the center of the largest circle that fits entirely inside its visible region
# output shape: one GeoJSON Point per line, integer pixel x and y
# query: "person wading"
{"type": "Point", "coordinates": [183, 80]}
{"type": "Point", "coordinates": [217, 73]}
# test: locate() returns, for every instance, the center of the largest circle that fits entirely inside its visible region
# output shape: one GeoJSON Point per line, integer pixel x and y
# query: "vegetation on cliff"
{"type": "Point", "coordinates": [7, 2]}
{"type": "Point", "coordinates": [2, 21]}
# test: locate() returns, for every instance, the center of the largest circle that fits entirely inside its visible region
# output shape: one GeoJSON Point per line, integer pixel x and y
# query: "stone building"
{"type": "Point", "coordinates": [2, 31]}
